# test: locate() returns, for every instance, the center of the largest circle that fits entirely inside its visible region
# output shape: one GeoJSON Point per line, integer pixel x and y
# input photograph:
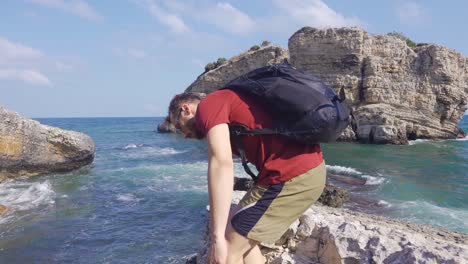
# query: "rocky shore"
{"type": "Point", "coordinates": [335, 235]}
{"type": "Point", "coordinates": [29, 148]}
{"type": "Point", "coordinates": [396, 93]}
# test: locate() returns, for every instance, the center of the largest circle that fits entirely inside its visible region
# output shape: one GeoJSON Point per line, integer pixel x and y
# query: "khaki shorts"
{"type": "Point", "coordinates": [266, 212]}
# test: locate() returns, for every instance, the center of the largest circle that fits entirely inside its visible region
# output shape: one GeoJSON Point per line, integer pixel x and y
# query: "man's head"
{"type": "Point", "coordinates": [182, 111]}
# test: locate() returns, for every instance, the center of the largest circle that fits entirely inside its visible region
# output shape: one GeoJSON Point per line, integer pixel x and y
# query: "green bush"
{"type": "Point", "coordinates": [266, 43]}
{"type": "Point", "coordinates": [220, 62]}
{"type": "Point", "coordinates": [254, 47]}
{"type": "Point", "coordinates": [401, 36]}
{"type": "Point", "coordinates": [210, 66]}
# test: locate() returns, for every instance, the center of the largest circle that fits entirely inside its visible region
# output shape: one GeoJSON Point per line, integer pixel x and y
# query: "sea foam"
{"type": "Point", "coordinates": [343, 170]}
{"type": "Point", "coordinates": [417, 141]}
{"type": "Point", "coordinates": [18, 195]}
{"type": "Point", "coordinates": [128, 197]}
{"type": "Point", "coordinates": [370, 180]}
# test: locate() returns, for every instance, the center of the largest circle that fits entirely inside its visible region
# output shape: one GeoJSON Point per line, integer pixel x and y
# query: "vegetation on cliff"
{"type": "Point", "coordinates": [401, 36]}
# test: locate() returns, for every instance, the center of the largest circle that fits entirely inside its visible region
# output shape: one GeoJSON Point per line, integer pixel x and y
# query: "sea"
{"type": "Point", "coordinates": [144, 198]}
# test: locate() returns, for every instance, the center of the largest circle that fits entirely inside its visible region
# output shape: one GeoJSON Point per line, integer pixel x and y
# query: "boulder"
{"type": "Point", "coordinates": [333, 196]}
{"type": "Point", "coordinates": [29, 148]}
{"type": "Point", "coordinates": [166, 126]}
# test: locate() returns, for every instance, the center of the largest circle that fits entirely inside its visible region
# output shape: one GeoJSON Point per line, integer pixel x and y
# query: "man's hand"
{"type": "Point", "coordinates": [218, 251]}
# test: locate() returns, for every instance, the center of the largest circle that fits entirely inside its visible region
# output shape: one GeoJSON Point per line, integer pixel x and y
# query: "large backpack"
{"type": "Point", "coordinates": [302, 106]}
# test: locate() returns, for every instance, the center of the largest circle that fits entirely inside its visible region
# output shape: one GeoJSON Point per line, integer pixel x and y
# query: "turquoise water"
{"type": "Point", "coordinates": [143, 199]}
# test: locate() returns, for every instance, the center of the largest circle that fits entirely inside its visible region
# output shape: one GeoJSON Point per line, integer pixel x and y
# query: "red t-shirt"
{"type": "Point", "coordinates": [276, 158]}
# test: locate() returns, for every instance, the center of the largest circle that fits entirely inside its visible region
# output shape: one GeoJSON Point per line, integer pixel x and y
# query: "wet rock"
{"type": "Point", "coordinates": [347, 179]}
{"type": "Point", "coordinates": [242, 184]}
{"type": "Point", "coordinates": [333, 196]}
{"type": "Point", "coordinates": [29, 148]}
{"type": "Point", "coordinates": [166, 126]}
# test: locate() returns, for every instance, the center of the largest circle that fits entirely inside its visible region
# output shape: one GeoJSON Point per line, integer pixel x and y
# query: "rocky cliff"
{"type": "Point", "coordinates": [236, 66]}
{"type": "Point", "coordinates": [396, 93]}
{"type": "Point", "coordinates": [29, 148]}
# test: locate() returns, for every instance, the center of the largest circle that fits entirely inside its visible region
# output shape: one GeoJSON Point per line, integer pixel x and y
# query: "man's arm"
{"type": "Point", "coordinates": [220, 178]}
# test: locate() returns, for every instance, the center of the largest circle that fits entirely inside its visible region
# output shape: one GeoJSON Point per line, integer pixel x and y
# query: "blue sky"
{"type": "Point", "coordinates": [84, 58]}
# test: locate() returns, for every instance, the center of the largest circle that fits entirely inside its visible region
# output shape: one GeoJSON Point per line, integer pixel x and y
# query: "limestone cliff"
{"type": "Point", "coordinates": [236, 66]}
{"type": "Point", "coordinates": [396, 93]}
{"type": "Point", "coordinates": [29, 148]}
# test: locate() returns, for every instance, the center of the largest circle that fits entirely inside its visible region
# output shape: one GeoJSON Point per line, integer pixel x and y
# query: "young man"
{"type": "Point", "coordinates": [291, 174]}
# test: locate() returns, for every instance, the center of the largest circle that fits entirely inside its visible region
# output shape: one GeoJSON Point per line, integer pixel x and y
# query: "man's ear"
{"type": "Point", "coordinates": [185, 109]}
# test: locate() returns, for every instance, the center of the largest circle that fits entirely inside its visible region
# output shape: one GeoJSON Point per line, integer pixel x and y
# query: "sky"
{"type": "Point", "coordinates": [124, 58]}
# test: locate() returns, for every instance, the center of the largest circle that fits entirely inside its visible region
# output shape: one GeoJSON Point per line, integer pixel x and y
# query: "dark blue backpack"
{"type": "Point", "coordinates": [302, 106]}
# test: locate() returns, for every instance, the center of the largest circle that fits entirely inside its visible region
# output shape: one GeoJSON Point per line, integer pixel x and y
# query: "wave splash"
{"type": "Point", "coordinates": [370, 180]}
{"type": "Point", "coordinates": [21, 196]}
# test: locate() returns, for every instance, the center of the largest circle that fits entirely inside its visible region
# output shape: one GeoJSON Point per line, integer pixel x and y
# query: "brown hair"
{"type": "Point", "coordinates": [177, 100]}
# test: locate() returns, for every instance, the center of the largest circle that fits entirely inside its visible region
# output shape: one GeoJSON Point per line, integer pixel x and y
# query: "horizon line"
{"type": "Point", "coordinates": [97, 117]}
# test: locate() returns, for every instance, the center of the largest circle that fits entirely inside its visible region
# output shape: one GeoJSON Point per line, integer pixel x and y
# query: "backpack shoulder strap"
{"type": "Point", "coordinates": [237, 131]}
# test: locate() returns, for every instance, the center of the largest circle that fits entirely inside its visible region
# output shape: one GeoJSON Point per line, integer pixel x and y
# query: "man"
{"type": "Point", "coordinates": [291, 174]}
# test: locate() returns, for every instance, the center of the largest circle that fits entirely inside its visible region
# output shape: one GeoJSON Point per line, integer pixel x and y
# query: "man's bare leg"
{"type": "Point", "coordinates": [240, 246]}
{"type": "Point", "coordinates": [254, 255]}
{"type": "Point", "coordinates": [241, 249]}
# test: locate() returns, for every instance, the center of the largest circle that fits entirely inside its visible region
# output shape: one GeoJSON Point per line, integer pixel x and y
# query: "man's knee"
{"type": "Point", "coordinates": [238, 244]}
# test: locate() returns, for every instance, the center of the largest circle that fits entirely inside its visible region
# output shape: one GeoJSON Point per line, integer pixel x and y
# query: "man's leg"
{"type": "Point", "coordinates": [254, 255]}
{"type": "Point", "coordinates": [240, 248]}
{"type": "Point", "coordinates": [243, 250]}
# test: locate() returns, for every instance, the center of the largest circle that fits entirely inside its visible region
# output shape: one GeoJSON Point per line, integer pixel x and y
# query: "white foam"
{"type": "Point", "coordinates": [133, 146]}
{"type": "Point", "coordinates": [417, 141]}
{"type": "Point", "coordinates": [384, 203]}
{"type": "Point", "coordinates": [128, 197]}
{"type": "Point", "coordinates": [18, 195]}
{"type": "Point", "coordinates": [372, 180]}
{"type": "Point", "coordinates": [343, 170]}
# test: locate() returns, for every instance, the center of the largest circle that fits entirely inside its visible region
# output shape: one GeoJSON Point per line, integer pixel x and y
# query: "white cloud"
{"type": "Point", "coordinates": [10, 52]}
{"type": "Point", "coordinates": [314, 13]}
{"type": "Point", "coordinates": [175, 23]}
{"type": "Point", "coordinates": [76, 7]}
{"type": "Point", "coordinates": [410, 13]}
{"type": "Point", "coordinates": [222, 15]}
{"type": "Point", "coordinates": [30, 76]}
{"type": "Point", "coordinates": [17, 62]}
{"type": "Point", "coordinates": [229, 19]}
